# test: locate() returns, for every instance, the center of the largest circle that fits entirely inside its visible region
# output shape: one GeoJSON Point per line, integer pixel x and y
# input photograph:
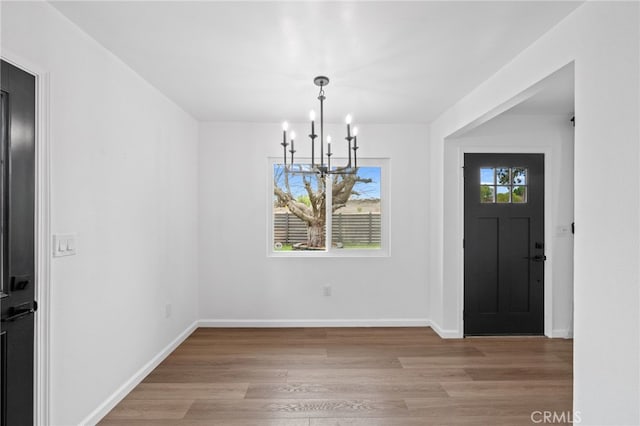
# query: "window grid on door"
{"type": "Point", "coordinates": [503, 185]}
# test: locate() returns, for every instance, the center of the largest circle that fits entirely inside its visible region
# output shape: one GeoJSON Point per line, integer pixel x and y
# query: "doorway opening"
{"type": "Point", "coordinates": [539, 122]}
{"type": "Point", "coordinates": [17, 243]}
{"type": "Point", "coordinates": [38, 282]}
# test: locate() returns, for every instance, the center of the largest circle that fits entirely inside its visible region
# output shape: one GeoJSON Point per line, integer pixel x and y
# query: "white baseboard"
{"type": "Point", "coordinates": [455, 334]}
{"type": "Point", "coordinates": [265, 323]}
{"type": "Point", "coordinates": [562, 333]}
{"type": "Point", "coordinates": [104, 408]}
{"type": "Point", "coordinates": [446, 334]}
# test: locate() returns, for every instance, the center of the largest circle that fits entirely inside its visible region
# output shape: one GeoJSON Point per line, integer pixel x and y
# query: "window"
{"type": "Point", "coordinates": [357, 209]}
{"type": "Point", "coordinates": [299, 209]}
{"type": "Point", "coordinates": [341, 214]}
{"type": "Point", "coordinates": [503, 185]}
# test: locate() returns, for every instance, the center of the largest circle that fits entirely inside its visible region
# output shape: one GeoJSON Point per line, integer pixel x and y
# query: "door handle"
{"type": "Point", "coordinates": [20, 282]}
{"type": "Point", "coordinates": [20, 311]}
{"type": "Point", "coordinates": [537, 258]}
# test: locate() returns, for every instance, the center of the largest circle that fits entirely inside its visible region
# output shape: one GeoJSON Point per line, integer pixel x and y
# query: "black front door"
{"type": "Point", "coordinates": [17, 192]}
{"type": "Point", "coordinates": [503, 244]}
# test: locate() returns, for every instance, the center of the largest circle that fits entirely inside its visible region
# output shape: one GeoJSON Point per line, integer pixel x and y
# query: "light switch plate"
{"type": "Point", "coordinates": [563, 230]}
{"type": "Point", "coordinates": [64, 245]}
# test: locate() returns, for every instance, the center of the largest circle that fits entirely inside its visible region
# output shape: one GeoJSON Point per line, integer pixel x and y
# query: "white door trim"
{"type": "Point", "coordinates": [42, 385]}
{"type": "Point", "coordinates": [548, 224]}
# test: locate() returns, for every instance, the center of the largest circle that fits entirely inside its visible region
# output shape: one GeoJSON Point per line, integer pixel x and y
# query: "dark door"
{"type": "Point", "coordinates": [504, 244]}
{"type": "Point", "coordinates": [17, 193]}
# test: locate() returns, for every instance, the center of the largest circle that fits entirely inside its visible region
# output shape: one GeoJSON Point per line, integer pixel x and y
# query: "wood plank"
{"type": "Point", "coordinates": [402, 376]}
{"type": "Point", "coordinates": [248, 350]}
{"type": "Point", "coordinates": [206, 422]}
{"type": "Point", "coordinates": [190, 391]}
{"type": "Point", "coordinates": [424, 421]}
{"type": "Point", "coordinates": [507, 389]}
{"type": "Point", "coordinates": [400, 351]}
{"type": "Point", "coordinates": [129, 409]}
{"type": "Point", "coordinates": [524, 361]}
{"type": "Point", "coordinates": [345, 391]}
{"type": "Point", "coordinates": [203, 374]}
{"type": "Point", "coordinates": [296, 408]}
{"type": "Point", "coordinates": [487, 407]}
{"type": "Point", "coordinates": [518, 374]}
{"type": "Point", "coordinates": [282, 362]}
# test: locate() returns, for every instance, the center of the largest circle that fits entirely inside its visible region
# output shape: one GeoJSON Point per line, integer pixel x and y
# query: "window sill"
{"type": "Point", "coordinates": [335, 253]}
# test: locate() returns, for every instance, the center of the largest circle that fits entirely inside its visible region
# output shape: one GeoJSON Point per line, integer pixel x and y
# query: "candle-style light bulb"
{"type": "Point", "coordinates": [348, 119]}
{"type": "Point", "coordinates": [285, 126]}
{"type": "Point", "coordinates": [355, 131]}
{"type": "Point", "coordinates": [328, 139]}
{"type": "Point", "coordinates": [312, 115]}
{"type": "Point", "coordinates": [293, 136]}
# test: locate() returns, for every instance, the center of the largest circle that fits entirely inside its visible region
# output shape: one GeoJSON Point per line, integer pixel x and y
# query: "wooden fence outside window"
{"type": "Point", "coordinates": [353, 228]}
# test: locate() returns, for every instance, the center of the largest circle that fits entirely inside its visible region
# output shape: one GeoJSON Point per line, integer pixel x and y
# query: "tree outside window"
{"type": "Point", "coordinates": [305, 212]}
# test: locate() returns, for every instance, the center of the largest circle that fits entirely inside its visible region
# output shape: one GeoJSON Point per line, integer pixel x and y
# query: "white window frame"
{"type": "Point", "coordinates": [383, 251]}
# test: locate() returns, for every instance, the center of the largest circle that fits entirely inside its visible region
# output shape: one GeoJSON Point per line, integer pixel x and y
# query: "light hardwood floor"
{"type": "Point", "coordinates": [351, 377]}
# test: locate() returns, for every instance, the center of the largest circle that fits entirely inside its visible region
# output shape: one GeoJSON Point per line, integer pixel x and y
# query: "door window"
{"type": "Point", "coordinates": [503, 185]}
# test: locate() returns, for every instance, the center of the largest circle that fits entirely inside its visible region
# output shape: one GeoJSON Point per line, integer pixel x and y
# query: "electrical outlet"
{"type": "Point", "coordinates": [327, 289]}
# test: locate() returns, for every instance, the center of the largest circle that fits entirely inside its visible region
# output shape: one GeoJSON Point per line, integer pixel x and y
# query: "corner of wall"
{"type": "Point", "coordinates": [446, 333]}
{"type": "Point", "coordinates": [103, 409]}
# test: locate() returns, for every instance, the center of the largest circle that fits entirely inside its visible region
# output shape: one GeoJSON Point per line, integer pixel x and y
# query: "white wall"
{"type": "Point", "coordinates": [124, 179]}
{"type": "Point", "coordinates": [549, 134]}
{"type": "Point", "coordinates": [603, 40]}
{"type": "Point", "coordinates": [241, 284]}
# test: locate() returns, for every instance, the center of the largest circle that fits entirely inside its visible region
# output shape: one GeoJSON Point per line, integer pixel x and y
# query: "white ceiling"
{"type": "Point", "coordinates": [555, 95]}
{"type": "Point", "coordinates": [389, 62]}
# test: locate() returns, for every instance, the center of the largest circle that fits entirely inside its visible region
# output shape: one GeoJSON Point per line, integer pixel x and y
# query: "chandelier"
{"type": "Point", "coordinates": [323, 168]}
